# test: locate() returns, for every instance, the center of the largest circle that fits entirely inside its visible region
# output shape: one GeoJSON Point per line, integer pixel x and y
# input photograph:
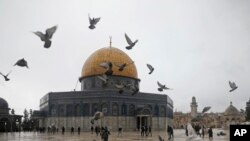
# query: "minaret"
{"type": "Point", "coordinates": [193, 107]}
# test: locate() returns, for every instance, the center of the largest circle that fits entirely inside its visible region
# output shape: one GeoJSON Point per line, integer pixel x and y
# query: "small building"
{"type": "Point", "coordinates": [8, 122]}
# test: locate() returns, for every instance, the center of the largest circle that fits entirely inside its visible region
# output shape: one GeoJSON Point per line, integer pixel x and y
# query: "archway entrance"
{"type": "Point", "coordinates": [4, 125]}
{"type": "Point", "coordinates": [143, 120]}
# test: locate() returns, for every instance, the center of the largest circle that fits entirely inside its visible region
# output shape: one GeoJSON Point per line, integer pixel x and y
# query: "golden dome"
{"type": "Point", "coordinates": [92, 67]}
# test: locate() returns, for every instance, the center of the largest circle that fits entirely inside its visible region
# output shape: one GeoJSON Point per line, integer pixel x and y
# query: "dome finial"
{"type": "Point", "coordinates": [231, 103]}
{"type": "Point", "coordinates": [110, 41]}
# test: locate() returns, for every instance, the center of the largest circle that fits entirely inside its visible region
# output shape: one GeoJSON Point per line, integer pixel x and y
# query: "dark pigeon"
{"type": "Point", "coordinates": [47, 36]}
{"type": "Point", "coordinates": [22, 63]}
{"type": "Point", "coordinates": [93, 22]}
{"type": "Point", "coordinates": [5, 76]}
{"type": "Point", "coordinates": [130, 43]}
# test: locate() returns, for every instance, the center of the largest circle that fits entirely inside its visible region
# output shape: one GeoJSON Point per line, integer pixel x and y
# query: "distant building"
{"type": "Point", "coordinates": [8, 122]}
{"type": "Point", "coordinates": [219, 120]}
{"type": "Point", "coordinates": [248, 111]}
{"type": "Point", "coordinates": [76, 108]}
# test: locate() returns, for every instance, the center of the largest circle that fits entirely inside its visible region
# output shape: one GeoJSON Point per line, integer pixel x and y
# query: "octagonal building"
{"type": "Point", "coordinates": [127, 110]}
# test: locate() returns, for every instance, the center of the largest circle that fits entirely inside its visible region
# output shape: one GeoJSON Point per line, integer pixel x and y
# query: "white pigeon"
{"type": "Point", "coordinates": [120, 87]}
{"type": "Point", "coordinates": [98, 115]}
{"type": "Point", "coordinates": [103, 77]}
{"type": "Point", "coordinates": [130, 43]}
{"type": "Point", "coordinates": [93, 22]}
{"type": "Point", "coordinates": [150, 67]}
{"type": "Point", "coordinates": [233, 86]}
{"type": "Point", "coordinates": [162, 87]}
{"type": "Point", "coordinates": [47, 36]}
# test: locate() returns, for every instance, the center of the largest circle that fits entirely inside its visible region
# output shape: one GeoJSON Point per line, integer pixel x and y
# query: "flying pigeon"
{"type": "Point", "coordinates": [108, 66]}
{"type": "Point", "coordinates": [130, 43]}
{"type": "Point", "coordinates": [122, 66]}
{"type": "Point", "coordinates": [47, 36]}
{"type": "Point", "coordinates": [150, 67]}
{"type": "Point", "coordinates": [233, 86]}
{"type": "Point", "coordinates": [160, 138]}
{"type": "Point", "coordinates": [22, 63]}
{"type": "Point", "coordinates": [205, 109]}
{"type": "Point", "coordinates": [120, 87]}
{"type": "Point", "coordinates": [103, 77]}
{"type": "Point", "coordinates": [98, 115]}
{"type": "Point", "coordinates": [5, 76]}
{"type": "Point", "coordinates": [93, 22]}
{"type": "Point", "coordinates": [162, 87]}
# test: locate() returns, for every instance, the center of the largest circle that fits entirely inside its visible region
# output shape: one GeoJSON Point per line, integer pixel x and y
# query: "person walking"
{"type": "Point", "coordinates": [149, 131]}
{"type": "Point", "coordinates": [92, 129]}
{"type": "Point", "coordinates": [79, 130]}
{"type": "Point", "coordinates": [142, 130]}
{"type": "Point", "coordinates": [105, 134]}
{"type": "Point", "coordinates": [119, 131]}
{"type": "Point", "coordinates": [72, 130]}
{"type": "Point", "coordinates": [63, 130]}
{"type": "Point", "coordinates": [210, 133]}
{"type": "Point", "coordinates": [203, 131]}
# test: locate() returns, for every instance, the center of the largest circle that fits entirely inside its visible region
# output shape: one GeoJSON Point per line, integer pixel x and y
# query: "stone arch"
{"type": "Point", "coordinates": [4, 124]}
{"type": "Point", "coordinates": [115, 109]}
{"type": "Point", "coordinates": [131, 110]}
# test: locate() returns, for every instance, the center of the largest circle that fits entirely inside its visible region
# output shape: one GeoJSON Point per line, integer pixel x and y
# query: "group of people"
{"type": "Point", "coordinates": [146, 130]}
{"type": "Point", "coordinates": [102, 131]}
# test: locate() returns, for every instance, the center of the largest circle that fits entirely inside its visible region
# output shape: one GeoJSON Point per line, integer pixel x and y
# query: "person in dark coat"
{"type": "Point", "coordinates": [63, 130]}
{"type": "Point", "coordinates": [92, 129]}
{"type": "Point", "coordinates": [149, 131]}
{"type": "Point", "coordinates": [79, 130]}
{"type": "Point", "coordinates": [203, 131]}
{"type": "Point", "coordinates": [105, 134]}
{"type": "Point", "coordinates": [210, 133]}
{"type": "Point", "coordinates": [186, 130]}
{"type": "Point", "coordinates": [72, 130]}
{"type": "Point", "coordinates": [142, 130]}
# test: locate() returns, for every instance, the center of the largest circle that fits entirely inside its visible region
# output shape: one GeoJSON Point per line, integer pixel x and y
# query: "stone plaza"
{"type": "Point", "coordinates": [179, 135]}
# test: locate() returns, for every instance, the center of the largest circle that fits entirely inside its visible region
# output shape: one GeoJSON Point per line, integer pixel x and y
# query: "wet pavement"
{"type": "Point", "coordinates": [179, 135]}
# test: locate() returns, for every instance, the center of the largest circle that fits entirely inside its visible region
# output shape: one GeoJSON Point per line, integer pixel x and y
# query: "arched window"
{"type": "Point", "coordinates": [162, 111]}
{"type": "Point", "coordinates": [132, 110]}
{"type": "Point", "coordinates": [77, 110]}
{"type": "Point", "coordinates": [104, 107]}
{"type": "Point", "coordinates": [53, 111]}
{"type": "Point", "coordinates": [124, 109]}
{"type": "Point", "coordinates": [86, 109]}
{"type": "Point", "coordinates": [156, 110]}
{"type": "Point", "coordinates": [115, 109]}
{"type": "Point", "coordinates": [70, 109]}
{"type": "Point", "coordinates": [94, 108]}
{"type": "Point", "coordinates": [61, 110]}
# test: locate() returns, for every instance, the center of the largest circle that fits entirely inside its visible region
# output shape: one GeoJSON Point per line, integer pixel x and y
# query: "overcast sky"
{"type": "Point", "coordinates": [196, 47]}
